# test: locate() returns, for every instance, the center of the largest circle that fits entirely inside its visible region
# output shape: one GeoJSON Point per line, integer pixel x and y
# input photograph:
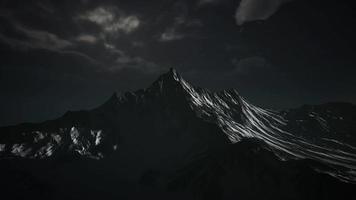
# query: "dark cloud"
{"type": "Point", "coordinates": [251, 10]}
{"type": "Point", "coordinates": [250, 65]}
{"type": "Point", "coordinates": [123, 61]}
{"type": "Point", "coordinates": [180, 25]}
{"type": "Point", "coordinates": [170, 34]}
{"type": "Point", "coordinates": [37, 39]}
{"type": "Point", "coordinates": [204, 2]}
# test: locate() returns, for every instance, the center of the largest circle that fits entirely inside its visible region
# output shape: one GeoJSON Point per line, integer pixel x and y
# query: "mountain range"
{"type": "Point", "coordinates": [178, 141]}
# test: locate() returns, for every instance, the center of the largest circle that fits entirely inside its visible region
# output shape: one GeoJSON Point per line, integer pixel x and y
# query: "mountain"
{"type": "Point", "coordinates": [175, 140]}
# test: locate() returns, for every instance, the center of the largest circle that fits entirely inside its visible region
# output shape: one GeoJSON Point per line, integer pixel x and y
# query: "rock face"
{"type": "Point", "coordinates": [173, 139]}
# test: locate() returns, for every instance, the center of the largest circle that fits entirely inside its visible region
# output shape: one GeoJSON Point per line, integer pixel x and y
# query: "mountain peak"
{"type": "Point", "coordinates": [172, 74]}
{"type": "Point", "coordinates": [168, 81]}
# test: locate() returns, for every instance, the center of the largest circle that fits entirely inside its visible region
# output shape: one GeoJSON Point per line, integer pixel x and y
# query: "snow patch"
{"type": "Point", "coordinates": [20, 150]}
{"type": "Point", "coordinates": [2, 147]}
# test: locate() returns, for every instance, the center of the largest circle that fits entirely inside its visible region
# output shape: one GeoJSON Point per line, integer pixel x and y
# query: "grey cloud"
{"type": "Point", "coordinates": [206, 2]}
{"type": "Point", "coordinates": [86, 38]}
{"type": "Point", "coordinates": [137, 44]}
{"type": "Point", "coordinates": [127, 24]}
{"type": "Point", "coordinates": [249, 64]}
{"type": "Point", "coordinates": [170, 34]}
{"type": "Point", "coordinates": [124, 61]}
{"type": "Point", "coordinates": [174, 32]}
{"type": "Point", "coordinates": [46, 7]}
{"type": "Point", "coordinates": [251, 10]}
{"type": "Point", "coordinates": [38, 39]}
{"type": "Point", "coordinates": [81, 55]}
{"type": "Point", "coordinates": [111, 20]}
{"type": "Point", "coordinates": [25, 38]}
{"type": "Point", "coordinates": [137, 63]}
{"type": "Point", "coordinates": [112, 49]}
{"type": "Point", "coordinates": [99, 15]}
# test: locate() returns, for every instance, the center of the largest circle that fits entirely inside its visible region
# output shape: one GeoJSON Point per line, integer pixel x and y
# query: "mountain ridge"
{"type": "Point", "coordinates": [172, 100]}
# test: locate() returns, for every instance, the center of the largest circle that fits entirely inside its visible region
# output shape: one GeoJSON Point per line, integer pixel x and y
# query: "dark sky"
{"type": "Point", "coordinates": [69, 55]}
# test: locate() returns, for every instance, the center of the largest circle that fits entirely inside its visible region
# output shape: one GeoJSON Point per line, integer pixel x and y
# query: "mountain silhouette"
{"type": "Point", "coordinates": [176, 138]}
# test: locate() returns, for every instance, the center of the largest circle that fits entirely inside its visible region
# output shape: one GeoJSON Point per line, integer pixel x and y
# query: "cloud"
{"type": "Point", "coordinates": [207, 2]}
{"type": "Point", "coordinates": [111, 20]}
{"type": "Point", "coordinates": [37, 39]}
{"type": "Point", "coordinates": [137, 63]}
{"type": "Point", "coordinates": [170, 34]}
{"type": "Point", "coordinates": [175, 31]}
{"type": "Point", "coordinates": [126, 24]}
{"type": "Point", "coordinates": [44, 39]}
{"type": "Point", "coordinates": [138, 44]}
{"type": "Point", "coordinates": [251, 10]}
{"type": "Point", "coordinates": [250, 64]}
{"type": "Point", "coordinates": [100, 16]}
{"type": "Point", "coordinates": [85, 38]}
{"type": "Point", "coordinates": [46, 7]}
{"type": "Point", "coordinates": [26, 39]}
{"type": "Point", "coordinates": [123, 61]}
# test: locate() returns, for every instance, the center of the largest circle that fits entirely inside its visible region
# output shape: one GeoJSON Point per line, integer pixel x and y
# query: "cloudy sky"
{"type": "Point", "coordinates": [69, 55]}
